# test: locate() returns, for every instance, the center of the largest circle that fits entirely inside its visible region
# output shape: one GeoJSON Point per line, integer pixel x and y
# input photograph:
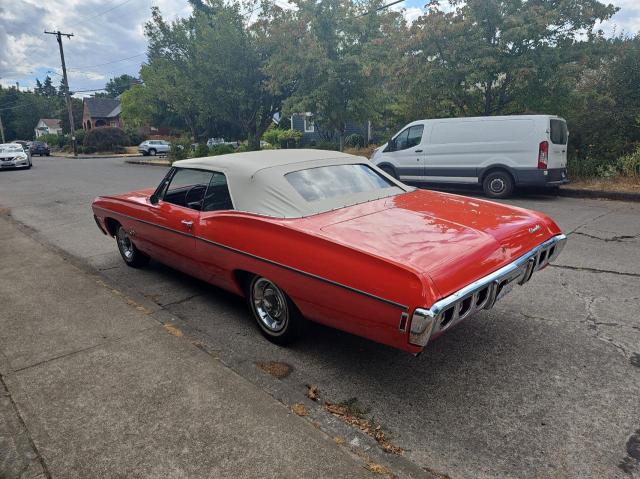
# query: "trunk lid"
{"type": "Point", "coordinates": [451, 239]}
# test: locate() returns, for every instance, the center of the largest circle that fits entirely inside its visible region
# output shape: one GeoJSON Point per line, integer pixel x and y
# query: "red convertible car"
{"type": "Point", "coordinates": [329, 237]}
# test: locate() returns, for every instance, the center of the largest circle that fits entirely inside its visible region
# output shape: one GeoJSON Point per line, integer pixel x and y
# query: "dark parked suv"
{"type": "Point", "coordinates": [39, 148]}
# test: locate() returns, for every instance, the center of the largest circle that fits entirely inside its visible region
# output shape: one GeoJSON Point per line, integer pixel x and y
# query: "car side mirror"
{"type": "Point", "coordinates": [153, 199]}
{"type": "Point", "coordinates": [391, 145]}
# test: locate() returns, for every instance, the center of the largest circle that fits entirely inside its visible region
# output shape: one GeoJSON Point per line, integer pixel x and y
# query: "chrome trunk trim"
{"type": "Point", "coordinates": [483, 293]}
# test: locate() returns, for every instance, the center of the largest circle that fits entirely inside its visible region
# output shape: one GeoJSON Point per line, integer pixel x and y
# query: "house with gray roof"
{"type": "Point", "coordinates": [99, 112]}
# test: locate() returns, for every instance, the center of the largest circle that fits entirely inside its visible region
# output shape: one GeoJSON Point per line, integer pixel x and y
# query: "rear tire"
{"type": "Point", "coordinates": [276, 316]}
{"type": "Point", "coordinates": [131, 255]}
{"type": "Point", "coordinates": [498, 184]}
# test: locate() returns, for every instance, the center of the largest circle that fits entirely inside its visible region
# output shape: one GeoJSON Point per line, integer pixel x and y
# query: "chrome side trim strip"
{"type": "Point", "coordinates": [265, 260]}
{"type": "Point", "coordinates": [446, 312]}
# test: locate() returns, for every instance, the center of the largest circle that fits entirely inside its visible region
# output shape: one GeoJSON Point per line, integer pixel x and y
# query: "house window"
{"type": "Point", "coordinates": [309, 126]}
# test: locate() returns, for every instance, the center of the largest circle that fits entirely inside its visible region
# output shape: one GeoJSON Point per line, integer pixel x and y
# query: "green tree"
{"type": "Point", "coordinates": [208, 70]}
{"type": "Point", "coordinates": [118, 85]}
{"type": "Point", "coordinates": [493, 56]}
{"type": "Point", "coordinates": [335, 61]}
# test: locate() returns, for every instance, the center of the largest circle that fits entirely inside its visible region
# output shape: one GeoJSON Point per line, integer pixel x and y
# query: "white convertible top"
{"type": "Point", "coordinates": [257, 183]}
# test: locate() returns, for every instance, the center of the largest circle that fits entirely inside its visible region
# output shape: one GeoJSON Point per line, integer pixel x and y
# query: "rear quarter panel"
{"type": "Point", "coordinates": [325, 280]}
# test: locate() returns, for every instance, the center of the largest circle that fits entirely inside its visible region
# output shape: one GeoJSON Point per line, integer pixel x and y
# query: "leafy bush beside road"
{"type": "Point", "coordinates": [106, 138]}
{"type": "Point", "coordinates": [282, 138]}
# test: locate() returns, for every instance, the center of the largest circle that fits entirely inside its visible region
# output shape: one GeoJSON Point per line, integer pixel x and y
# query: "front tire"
{"type": "Point", "coordinates": [152, 152]}
{"type": "Point", "coordinates": [498, 184]}
{"type": "Point", "coordinates": [131, 255]}
{"type": "Point", "coordinates": [276, 316]}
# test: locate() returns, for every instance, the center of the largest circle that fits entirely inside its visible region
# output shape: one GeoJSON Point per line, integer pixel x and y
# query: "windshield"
{"type": "Point", "coordinates": [327, 182]}
{"type": "Point", "coordinates": [10, 148]}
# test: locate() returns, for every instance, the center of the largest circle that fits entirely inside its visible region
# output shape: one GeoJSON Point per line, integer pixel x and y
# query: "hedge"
{"type": "Point", "coordinates": [106, 138]}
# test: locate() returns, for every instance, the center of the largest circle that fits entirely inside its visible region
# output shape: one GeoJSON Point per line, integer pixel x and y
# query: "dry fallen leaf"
{"type": "Point", "coordinates": [378, 469]}
{"type": "Point", "coordinates": [275, 368]}
{"type": "Point", "coordinates": [312, 392]}
{"type": "Point", "coordinates": [351, 414]}
{"type": "Point", "coordinates": [300, 409]}
{"type": "Point", "coordinates": [340, 440]}
{"type": "Point", "coordinates": [171, 329]}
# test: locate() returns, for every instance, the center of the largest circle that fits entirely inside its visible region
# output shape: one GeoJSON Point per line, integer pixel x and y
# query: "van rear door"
{"type": "Point", "coordinates": [558, 136]}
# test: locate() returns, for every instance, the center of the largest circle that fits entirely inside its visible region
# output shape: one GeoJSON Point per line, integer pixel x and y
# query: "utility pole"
{"type": "Point", "coordinates": [2, 128]}
{"type": "Point", "coordinates": [59, 36]}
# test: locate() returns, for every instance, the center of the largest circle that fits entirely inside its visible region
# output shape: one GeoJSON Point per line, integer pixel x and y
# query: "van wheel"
{"type": "Point", "coordinates": [498, 184]}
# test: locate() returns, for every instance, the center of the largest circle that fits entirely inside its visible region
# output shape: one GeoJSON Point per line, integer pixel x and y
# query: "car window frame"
{"type": "Point", "coordinates": [168, 178]}
{"type": "Point", "coordinates": [233, 206]}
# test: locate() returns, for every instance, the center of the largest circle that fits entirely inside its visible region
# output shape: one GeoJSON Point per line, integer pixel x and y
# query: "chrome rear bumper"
{"type": "Point", "coordinates": [481, 294]}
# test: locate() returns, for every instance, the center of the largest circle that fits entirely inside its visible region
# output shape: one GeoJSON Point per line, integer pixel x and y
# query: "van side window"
{"type": "Point", "coordinates": [409, 138]}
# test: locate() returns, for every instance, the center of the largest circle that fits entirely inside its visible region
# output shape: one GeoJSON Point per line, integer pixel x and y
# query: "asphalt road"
{"type": "Point", "coordinates": [547, 384]}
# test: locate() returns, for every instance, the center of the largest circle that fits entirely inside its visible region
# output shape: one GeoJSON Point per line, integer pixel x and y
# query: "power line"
{"type": "Point", "coordinates": [379, 8]}
{"type": "Point", "coordinates": [101, 13]}
{"type": "Point", "coordinates": [108, 63]}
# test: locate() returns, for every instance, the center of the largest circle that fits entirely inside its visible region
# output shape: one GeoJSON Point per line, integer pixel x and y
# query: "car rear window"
{"type": "Point", "coordinates": [333, 181]}
{"type": "Point", "coordinates": [559, 133]}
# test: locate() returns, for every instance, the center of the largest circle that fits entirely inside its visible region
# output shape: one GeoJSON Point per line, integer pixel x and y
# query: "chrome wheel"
{"type": "Point", "coordinates": [270, 306]}
{"type": "Point", "coordinates": [125, 244]}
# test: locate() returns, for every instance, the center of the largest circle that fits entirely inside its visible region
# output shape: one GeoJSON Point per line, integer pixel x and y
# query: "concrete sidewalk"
{"type": "Point", "coordinates": [93, 386]}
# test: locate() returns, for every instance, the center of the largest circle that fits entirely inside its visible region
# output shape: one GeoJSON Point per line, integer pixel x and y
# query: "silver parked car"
{"type": "Point", "coordinates": [12, 155]}
{"type": "Point", "coordinates": [154, 147]}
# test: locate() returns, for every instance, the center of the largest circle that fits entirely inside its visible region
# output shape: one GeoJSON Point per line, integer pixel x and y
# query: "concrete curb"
{"type": "Point", "coordinates": [157, 162]}
{"type": "Point", "coordinates": [601, 194]}
{"type": "Point", "coordinates": [87, 157]}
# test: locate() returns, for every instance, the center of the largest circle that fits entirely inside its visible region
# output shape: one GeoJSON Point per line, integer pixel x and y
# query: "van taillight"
{"type": "Point", "coordinates": [543, 155]}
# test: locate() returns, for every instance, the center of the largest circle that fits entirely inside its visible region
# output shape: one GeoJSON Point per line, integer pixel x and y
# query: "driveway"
{"type": "Point", "coordinates": [547, 384]}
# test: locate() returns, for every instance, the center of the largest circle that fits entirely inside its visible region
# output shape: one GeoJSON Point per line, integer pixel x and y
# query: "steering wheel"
{"type": "Point", "coordinates": [196, 205]}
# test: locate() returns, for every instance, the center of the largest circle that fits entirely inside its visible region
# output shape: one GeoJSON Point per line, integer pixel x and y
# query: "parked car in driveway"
{"type": "Point", "coordinates": [500, 153]}
{"type": "Point", "coordinates": [39, 148]}
{"type": "Point", "coordinates": [330, 237]}
{"type": "Point", "coordinates": [13, 155]}
{"type": "Point", "coordinates": [154, 147]}
{"type": "Point", "coordinates": [211, 142]}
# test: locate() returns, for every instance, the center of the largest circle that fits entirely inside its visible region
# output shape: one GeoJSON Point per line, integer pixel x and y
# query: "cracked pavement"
{"type": "Point", "coordinates": [547, 384]}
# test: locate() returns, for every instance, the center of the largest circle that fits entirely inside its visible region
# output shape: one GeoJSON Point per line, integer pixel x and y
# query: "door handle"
{"type": "Point", "coordinates": [188, 224]}
{"type": "Point", "coordinates": [418, 151]}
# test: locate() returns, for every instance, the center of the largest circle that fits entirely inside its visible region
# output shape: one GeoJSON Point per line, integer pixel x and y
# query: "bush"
{"type": "Point", "coordinates": [221, 150]}
{"type": "Point", "coordinates": [106, 138]}
{"type": "Point", "coordinates": [57, 141]}
{"type": "Point", "coordinates": [354, 140]}
{"type": "Point", "coordinates": [327, 145]}
{"type": "Point", "coordinates": [282, 138]}
{"type": "Point", "coordinates": [79, 137]}
{"type": "Point", "coordinates": [180, 149]}
{"type": "Point", "coordinates": [201, 150]}
{"type": "Point", "coordinates": [135, 138]}
{"type": "Point", "coordinates": [629, 165]}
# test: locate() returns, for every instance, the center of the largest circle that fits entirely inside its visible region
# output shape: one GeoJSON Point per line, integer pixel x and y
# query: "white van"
{"type": "Point", "coordinates": [498, 152]}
